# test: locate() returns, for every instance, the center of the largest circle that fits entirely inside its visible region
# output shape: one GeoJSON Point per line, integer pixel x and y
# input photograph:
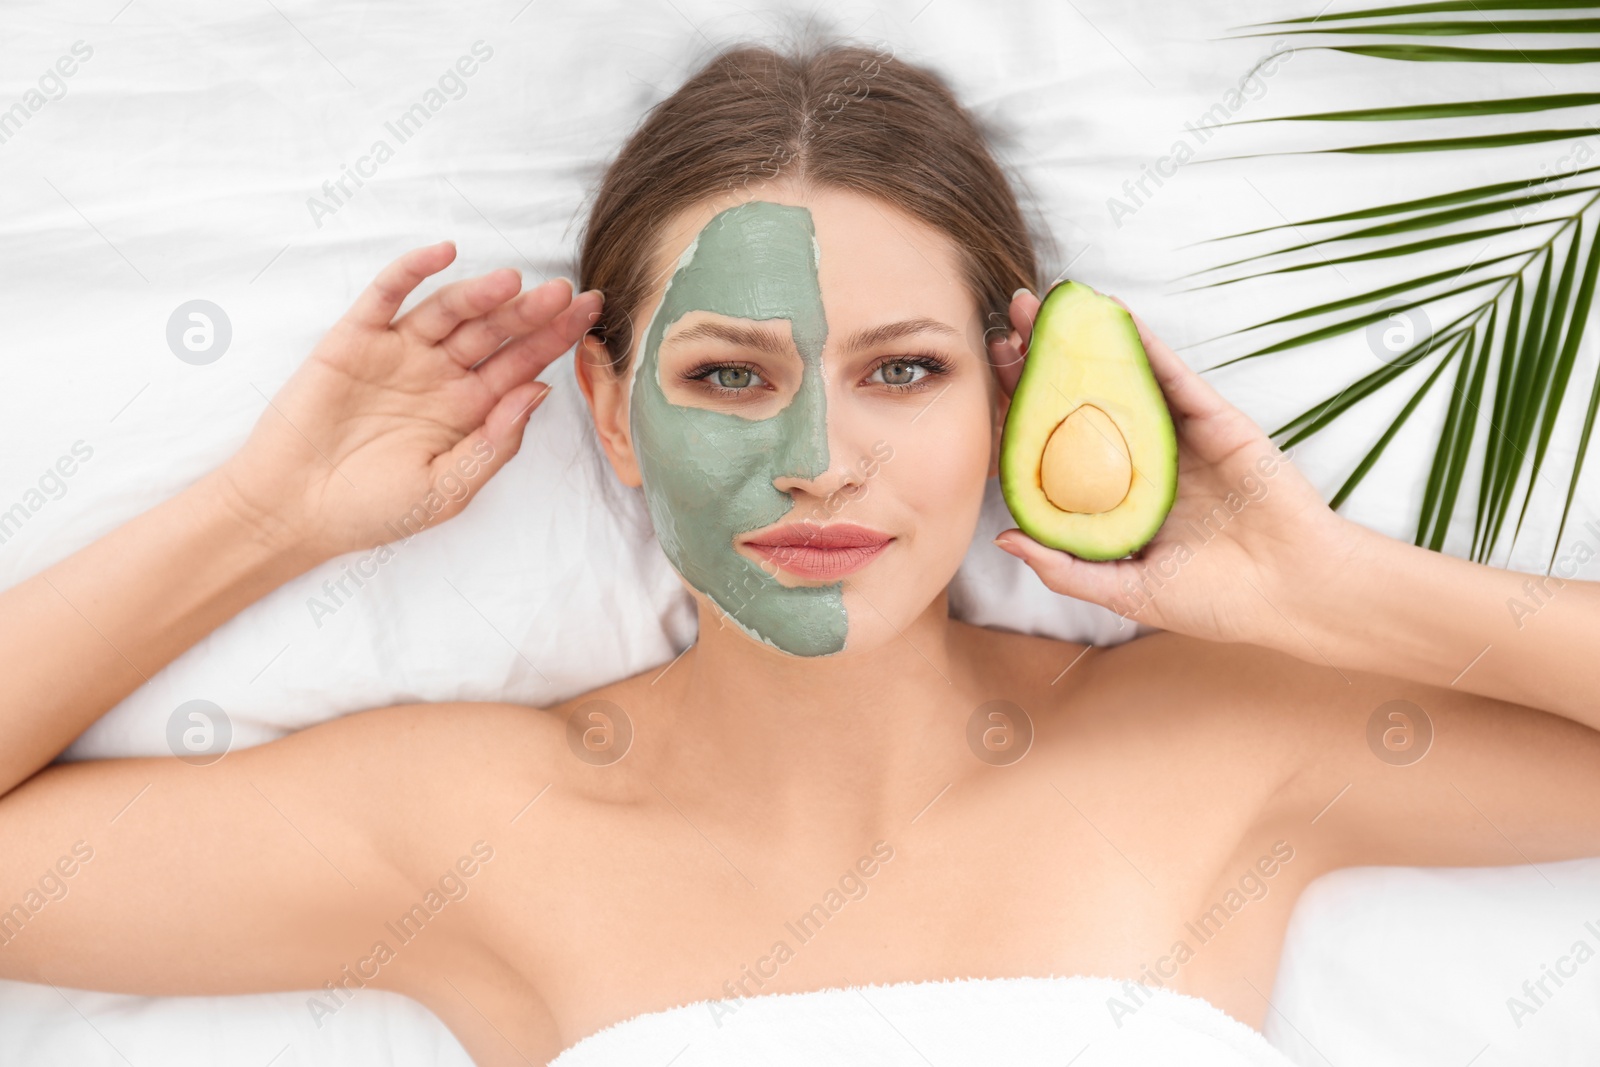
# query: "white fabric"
{"type": "Point", "coordinates": [1020, 1022]}
{"type": "Point", "coordinates": [179, 163]}
{"type": "Point", "coordinates": [1395, 966]}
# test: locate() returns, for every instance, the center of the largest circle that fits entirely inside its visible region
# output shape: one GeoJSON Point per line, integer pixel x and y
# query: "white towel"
{"type": "Point", "coordinates": [1082, 1021]}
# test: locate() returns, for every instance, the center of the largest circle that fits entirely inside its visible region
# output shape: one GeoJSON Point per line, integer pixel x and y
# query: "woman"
{"type": "Point", "coordinates": [799, 257]}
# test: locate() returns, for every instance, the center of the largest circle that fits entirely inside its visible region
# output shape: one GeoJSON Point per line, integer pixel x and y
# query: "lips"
{"type": "Point", "coordinates": [818, 551]}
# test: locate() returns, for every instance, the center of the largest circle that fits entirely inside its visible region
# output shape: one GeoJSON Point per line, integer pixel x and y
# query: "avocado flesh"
{"type": "Point", "coordinates": [1088, 456]}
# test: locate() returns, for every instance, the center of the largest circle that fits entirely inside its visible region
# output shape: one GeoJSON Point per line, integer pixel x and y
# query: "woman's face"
{"type": "Point", "coordinates": [812, 362]}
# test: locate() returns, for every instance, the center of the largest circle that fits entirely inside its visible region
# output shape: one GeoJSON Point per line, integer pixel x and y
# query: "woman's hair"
{"type": "Point", "coordinates": [832, 115]}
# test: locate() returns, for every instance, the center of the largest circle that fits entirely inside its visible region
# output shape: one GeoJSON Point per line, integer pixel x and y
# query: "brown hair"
{"type": "Point", "coordinates": [836, 115]}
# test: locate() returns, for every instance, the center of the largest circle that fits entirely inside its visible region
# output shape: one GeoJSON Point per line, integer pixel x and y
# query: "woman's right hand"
{"type": "Point", "coordinates": [386, 417]}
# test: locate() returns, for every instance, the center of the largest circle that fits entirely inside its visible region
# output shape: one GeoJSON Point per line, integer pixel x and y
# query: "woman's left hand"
{"type": "Point", "coordinates": [1246, 537]}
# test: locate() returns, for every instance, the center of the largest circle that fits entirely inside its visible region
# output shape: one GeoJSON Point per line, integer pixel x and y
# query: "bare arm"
{"type": "Point", "coordinates": [1384, 770]}
{"type": "Point", "coordinates": [1417, 614]}
{"type": "Point", "coordinates": [268, 869]}
{"type": "Point", "coordinates": [263, 869]}
{"type": "Point", "coordinates": [383, 424]}
{"type": "Point", "coordinates": [280, 866]}
{"type": "Point", "coordinates": [1250, 554]}
{"type": "Point", "coordinates": [77, 638]}
{"type": "Point", "coordinates": [1411, 708]}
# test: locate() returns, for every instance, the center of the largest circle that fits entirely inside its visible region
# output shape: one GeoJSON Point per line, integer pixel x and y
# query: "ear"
{"type": "Point", "coordinates": [1002, 405]}
{"type": "Point", "coordinates": [608, 404]}
{"type": "Point", "coordinates": [1005, 366]}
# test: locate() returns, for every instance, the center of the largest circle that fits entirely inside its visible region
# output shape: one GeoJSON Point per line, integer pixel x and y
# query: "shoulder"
{"type": "Point", "coordinates": [1306, 707]}
{"type": "Point", "coordinates": [486, 747]}
{"type": "Point", "coordinates": [1211, 715]}
{"type": "Point", "coordinates": [1182, 747]}
{"type": "Point", "coordinates": [405, 778]}
{"type": "Point", "coordinates": [447, 734]}
{"type": "Point", "coordinates": [1164, 678]}
{"type": "Point", "coordinates": [1255, 687]}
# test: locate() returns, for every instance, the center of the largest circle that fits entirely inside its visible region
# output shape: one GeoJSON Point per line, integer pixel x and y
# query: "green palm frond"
{"type": "Point", "coordinates": [1509, 360]}
{"type": "Point", "coordinates": [1439, 7]}
{"type": "Point", "coordinates": [1513, 106]}
{"type": "Point", "coordinates": [1456, 29]}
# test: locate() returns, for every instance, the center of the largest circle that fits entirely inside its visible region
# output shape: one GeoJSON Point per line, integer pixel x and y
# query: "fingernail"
{"type": "Point", "coordinates": [527, 409]}
{"type": "Point", "coordinates": [596, 292]}
{"type": "Point", "coordinates": [1019, 292]}
{"type": "Point", "coordinates": [1007, 546]}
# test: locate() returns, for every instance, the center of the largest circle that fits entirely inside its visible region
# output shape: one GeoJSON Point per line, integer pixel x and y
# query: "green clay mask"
{"type": "Point", "coordinates": [708, 475]}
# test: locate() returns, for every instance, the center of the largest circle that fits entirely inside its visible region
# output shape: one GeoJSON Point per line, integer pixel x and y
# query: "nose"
{"type": "Point", "coordinates": [842, 474]}
{"type": "Point", "coordinates": [821, 472]}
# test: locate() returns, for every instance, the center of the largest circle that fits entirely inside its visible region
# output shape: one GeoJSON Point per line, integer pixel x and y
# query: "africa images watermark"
{"type": "Point", "coordinates": [1155, 574]}
{"type": "Point", "coordinates": [336, 595]}
{"type": "Point", "coordinates": [1563, 567]}
{"type": "Point", "coordinates": [1250, 87]}
{"type": "Point", "coordinates": [50, 887]}
{"type": "Point", "coordinates": [336, 192]}
{"type": "Point", "coordinates": [450, 887]}
{"type": "Point", "coordinates": [851, 885]}
{"type": "Point", "coordinates": [1566, 167]}
{"type": "Point", "coordinates": [51, 485]}
{"type": "Point", "coordinates": [1252, 886]}
{"type": "Point", "coordinates": [52, 86]}
{"type": "Point", "coordinates": [1536, 993]}
{"type": "Point", "coordinates": [855, 90]}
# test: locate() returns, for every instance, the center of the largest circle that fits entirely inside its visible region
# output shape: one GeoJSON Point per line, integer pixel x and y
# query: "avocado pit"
{"type": "Point", "coordinates": [1085, 467]}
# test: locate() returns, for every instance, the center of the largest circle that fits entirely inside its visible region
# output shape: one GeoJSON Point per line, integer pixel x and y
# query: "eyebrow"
{"type": "Point", "coordinates": [765, 340]}
{"type": "Point", "coordinates": [877, 335]}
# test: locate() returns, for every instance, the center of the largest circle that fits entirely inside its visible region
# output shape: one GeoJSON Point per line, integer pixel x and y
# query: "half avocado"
{"type": "Point", "coordinates": [1088, 456]}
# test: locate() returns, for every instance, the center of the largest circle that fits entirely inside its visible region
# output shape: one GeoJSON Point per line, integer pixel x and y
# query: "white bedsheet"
{"type": "Point", "coordinates": [178, 165]}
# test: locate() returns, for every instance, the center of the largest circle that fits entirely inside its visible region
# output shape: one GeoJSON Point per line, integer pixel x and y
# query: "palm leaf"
{"type": "Point", "coordinates": [1420, 222]}
{"type": "Point", "coordinates": [1447, 28]}
{"type": "Point", "coordinates": [1561, 373]}
{"type": "Point", "coordinates": [1514, 350]}
{"type": "Point", "coordinates": [1466, 109]}
{"type": "Point", "coordinates": [1522, 382]}
{"type": "Point", "coordinates": [1438, 7]}
{"type": "Point", "coordinates": [1442, 144]}
{"type": "Point", "coordinates": [1451, 144]}
{"type": "Point", "coordinates": [1577, 464]}
{"type": "Point", "coordinates": [1375, 295]}
{"type": "Point", "coordinates": [1324, 332]}
{"type": "Point", "coordinates": [1441, 200]}
{"type": "Point", "coordinates": [1429, 53]}
{"type": "Point", "coordinates": [1380, 253]}
{"type": "Point", "coordinates": [1539, 381]}
{"type": "Point", "coordinates": [1321, 414]}
{"type": "Point", "coordinates": [1455, 444]}
{"type": "Point", "coordinates": [1400, 420]}
{"type": "Point", "coordinates": [1497, 418]}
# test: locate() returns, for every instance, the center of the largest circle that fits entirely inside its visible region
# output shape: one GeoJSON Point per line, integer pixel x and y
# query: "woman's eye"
{"type": "Point", "coordinates": [901, 372]}
{"type": "Point", "coordinates": [729, 379]}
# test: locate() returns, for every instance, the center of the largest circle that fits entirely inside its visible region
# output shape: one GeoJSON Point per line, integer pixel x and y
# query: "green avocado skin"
{"type": "Point", "coordinates": [1123, 384]}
